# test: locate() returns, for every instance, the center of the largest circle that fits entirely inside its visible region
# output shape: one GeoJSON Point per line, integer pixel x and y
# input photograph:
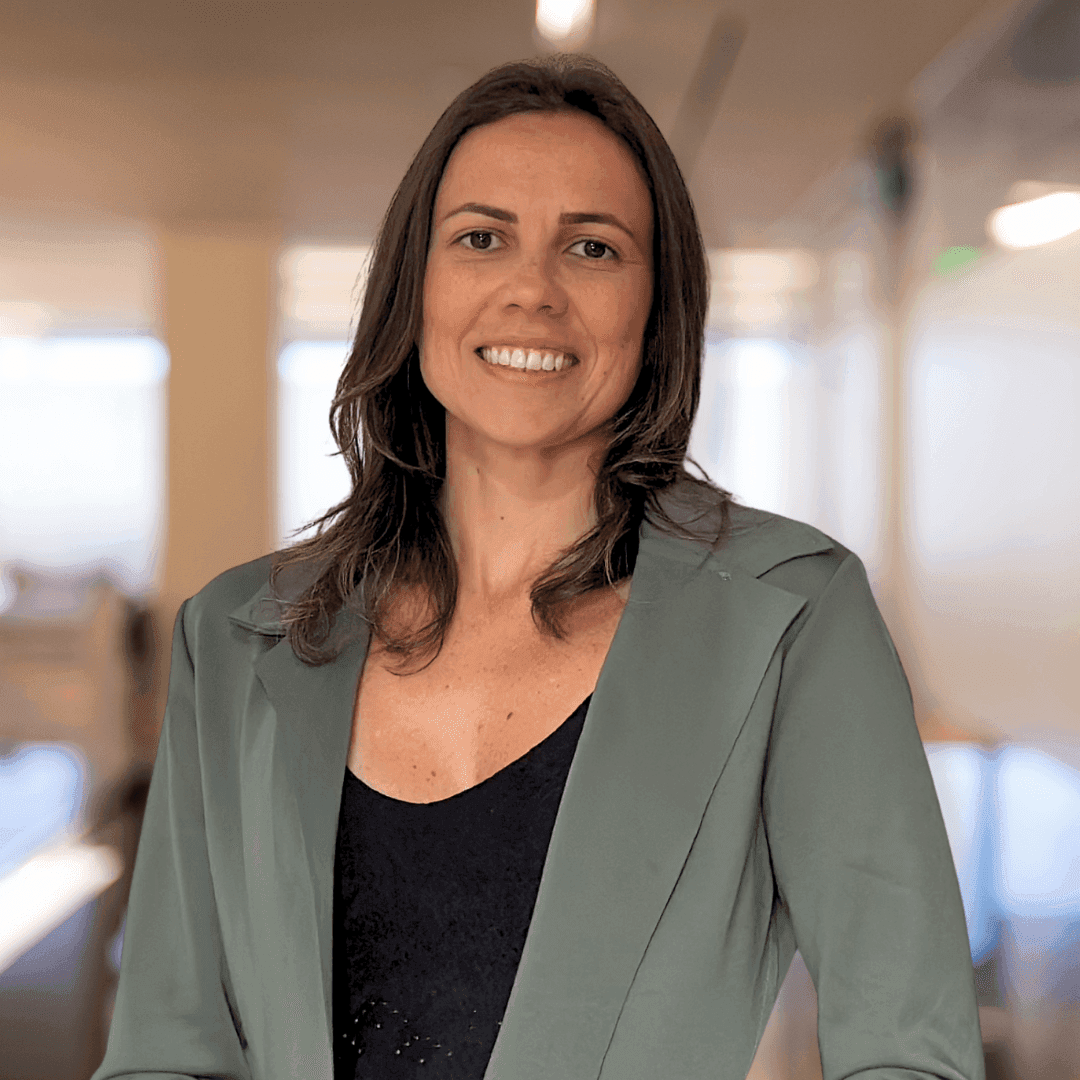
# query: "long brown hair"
{"type": "Point", "coordinates": [389, 533]}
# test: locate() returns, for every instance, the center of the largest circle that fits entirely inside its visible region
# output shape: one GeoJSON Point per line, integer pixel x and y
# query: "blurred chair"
{"type": "Point", "coordinates": [77, 683]}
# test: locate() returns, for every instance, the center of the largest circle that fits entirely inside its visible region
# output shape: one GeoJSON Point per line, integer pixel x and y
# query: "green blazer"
{"type": "Point", "coordinates": [749, 781]}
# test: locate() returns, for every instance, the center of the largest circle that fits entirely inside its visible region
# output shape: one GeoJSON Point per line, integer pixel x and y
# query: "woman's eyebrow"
{"type": "Point", "coordinates": [487, 211]}
{"type": "Point", "coordinates": [579, 218]}
{"type": "Point", "coordinates": [594, 216]}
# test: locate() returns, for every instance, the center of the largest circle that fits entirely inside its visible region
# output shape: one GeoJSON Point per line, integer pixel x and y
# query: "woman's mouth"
{"type": "Point", "coordinates": [526, 359]}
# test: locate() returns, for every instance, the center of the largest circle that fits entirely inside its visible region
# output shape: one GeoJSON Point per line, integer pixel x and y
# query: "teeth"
{"type": "Point", "coordinates": [526, 359]}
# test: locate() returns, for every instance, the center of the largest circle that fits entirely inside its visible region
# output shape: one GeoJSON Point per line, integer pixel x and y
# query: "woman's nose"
{"type": "Point", "coordinates": [533, 285]}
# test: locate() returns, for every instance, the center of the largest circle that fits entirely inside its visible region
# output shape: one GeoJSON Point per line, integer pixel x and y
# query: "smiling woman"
{"type": "Point", "coordinates": [525, 238]}
{"type": "Point", "coordinates": [641, 762]}
{"type": "Point", "coordinates": [539, 278]}
{"type": "Point", "coordinates": [562, 296]}
{"type": "Point", "coordinates": [512, 274]}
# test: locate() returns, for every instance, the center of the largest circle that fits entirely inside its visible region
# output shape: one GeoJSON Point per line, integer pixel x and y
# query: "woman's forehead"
{"type": "Point", "coordinates": [570, 149]}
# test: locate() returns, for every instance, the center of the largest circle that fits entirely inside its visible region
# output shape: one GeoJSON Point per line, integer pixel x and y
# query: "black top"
{"type": "Point", "coordinates": [432, 903]}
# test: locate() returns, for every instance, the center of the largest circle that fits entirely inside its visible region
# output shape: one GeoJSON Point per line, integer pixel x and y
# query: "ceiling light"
{"type": "Point", "coordinates": [1037, 221]}
{"type": "Point", "coordinates": [564, 22]}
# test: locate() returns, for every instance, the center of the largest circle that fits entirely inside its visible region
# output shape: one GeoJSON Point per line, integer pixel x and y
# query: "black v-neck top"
{"type": "Point", "coordinates": [432, 904]}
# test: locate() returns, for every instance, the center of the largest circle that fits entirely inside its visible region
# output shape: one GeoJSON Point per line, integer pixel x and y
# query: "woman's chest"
{"type": "Point", "coordinates": [497, 688]}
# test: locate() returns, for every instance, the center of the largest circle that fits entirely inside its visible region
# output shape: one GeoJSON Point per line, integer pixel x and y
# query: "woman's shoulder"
{"type": "Point", "coordinates": [756, 542]}
{"type": "Point", "coordinates": [799, 558]}
{"type": "Point", "coordinates": [231, 592]}
{"type": "Point", "coordinates": [773, 535]}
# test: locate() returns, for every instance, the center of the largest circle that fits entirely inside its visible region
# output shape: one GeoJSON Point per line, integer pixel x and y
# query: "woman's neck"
{"type": "Point", "coordinates": [510, 518]}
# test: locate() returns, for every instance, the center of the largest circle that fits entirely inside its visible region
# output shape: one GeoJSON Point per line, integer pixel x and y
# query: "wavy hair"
{"type": "Point", "coordinates": [389, 534]}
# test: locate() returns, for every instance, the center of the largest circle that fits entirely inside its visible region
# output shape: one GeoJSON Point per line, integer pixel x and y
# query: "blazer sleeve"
{"type": "Point", "coordinates": [171, 1018]}
{"type": "Point", "coordinates": [860, 853]}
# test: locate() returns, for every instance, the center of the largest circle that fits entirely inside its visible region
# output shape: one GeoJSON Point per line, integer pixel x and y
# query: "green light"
{"type": "Point", "coordinates": [952, 260]}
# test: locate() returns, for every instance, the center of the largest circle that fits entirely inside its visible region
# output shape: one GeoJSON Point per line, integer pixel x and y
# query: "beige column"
{"type": "Point", "coordinates": [906, 254]}
{"type": "Point", "coordinates": [218, 298]}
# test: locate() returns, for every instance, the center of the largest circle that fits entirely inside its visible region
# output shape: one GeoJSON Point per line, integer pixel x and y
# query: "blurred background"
{"type": "Point", "coordinates": [890, 195]}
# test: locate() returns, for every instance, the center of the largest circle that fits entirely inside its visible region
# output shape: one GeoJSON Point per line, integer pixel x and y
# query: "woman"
{"type": "Point", "coordinates": [509, 772]}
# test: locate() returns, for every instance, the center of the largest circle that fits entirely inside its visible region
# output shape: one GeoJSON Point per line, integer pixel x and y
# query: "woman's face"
{"type": "Point", "coordinates": [541, 243]}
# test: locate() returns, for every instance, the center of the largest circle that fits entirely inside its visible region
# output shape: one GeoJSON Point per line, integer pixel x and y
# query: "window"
{"type": "Point", "coordinates": [82, 438]}
{"type": "Point", "coordinates": [754, 426]}
{"type": "Point", "coordinates": [321, 295]}
{"type": "Point", "coordinates": [310, 480]}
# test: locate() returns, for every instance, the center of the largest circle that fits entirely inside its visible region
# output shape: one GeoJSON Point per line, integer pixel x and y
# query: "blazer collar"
{"type": "Point", "coordinates": [758, 541]}
{"type": "Point", "coordinates": [691, 648]}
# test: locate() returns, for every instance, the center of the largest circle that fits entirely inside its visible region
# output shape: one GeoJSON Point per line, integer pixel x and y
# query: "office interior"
{"type": "Point", "coordinates": [890, 199]}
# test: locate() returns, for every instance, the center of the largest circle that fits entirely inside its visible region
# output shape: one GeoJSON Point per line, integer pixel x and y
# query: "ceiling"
{"type": "Point", "coordinates": [306, 114]}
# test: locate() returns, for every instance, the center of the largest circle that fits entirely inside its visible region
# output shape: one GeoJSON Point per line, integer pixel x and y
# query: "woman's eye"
{"type": "Point", "coordinates": [595, 250]}
{"type": "Point", "coordinates": [479, 241]}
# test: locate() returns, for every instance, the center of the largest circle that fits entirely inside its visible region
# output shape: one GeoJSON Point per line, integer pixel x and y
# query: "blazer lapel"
{"type": "Point", "coordinates": [691, 648]}
{"type": "Point", "coordinates": [310, 727]}
{"type": "Point", "coordinates": [689, 653]}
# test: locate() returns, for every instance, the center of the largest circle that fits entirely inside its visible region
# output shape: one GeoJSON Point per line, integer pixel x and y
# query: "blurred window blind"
{"type": "Point", "coordinates": [753, 433]}
{"type": "Point", "coordinates": [756, 432]}
{"type": "Point", "coordinates": [1013, 820]}
{"type": "Point", "coordinates": [963, 777]}
{"type": "Point", "coordinates": [321, 291]}
{"type": "Point", "coordinates": [82, 401]}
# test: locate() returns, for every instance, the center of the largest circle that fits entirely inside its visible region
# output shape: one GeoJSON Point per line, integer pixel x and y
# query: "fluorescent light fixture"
{"type": "Point", "coordinates": [1037, 221]}
{"type": "Point", "coordinates": [564, 22]}
{"type": "Point", "coordinates": [48, 889]}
